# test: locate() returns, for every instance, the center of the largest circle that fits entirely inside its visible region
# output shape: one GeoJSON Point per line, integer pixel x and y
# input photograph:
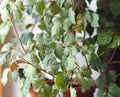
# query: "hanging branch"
{"type": "Point", "coordinates": [87, 62]}
{"type": "Point", "coordinates": [85, 55]}
{"type": "Point", "coordinates": [109, 61]}
{"type": "Point", "coordinates": [38, 69]}
{"type": "Point", "coordinates": [115, 62]}
{"type": "Point", "coordinates": [17, 35]}
{"type": "Point", "coordinates": [78, 66]}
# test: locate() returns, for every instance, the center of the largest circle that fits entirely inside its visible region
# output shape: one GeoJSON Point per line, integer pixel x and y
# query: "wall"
{"type": "Point", "coordinates": [11, 89]}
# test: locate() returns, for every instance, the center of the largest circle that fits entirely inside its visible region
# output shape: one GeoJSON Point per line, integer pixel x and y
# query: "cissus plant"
{"type": "Point", "coordinates": [66, 28]}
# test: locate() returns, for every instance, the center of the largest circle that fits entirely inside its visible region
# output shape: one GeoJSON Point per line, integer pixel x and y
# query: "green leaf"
{"type": "Point", "coordinates": [51, 47]}
{"type": "Point", "coordinates": [55, 8]}
{"type": "Point", "coordinates": [41, 49]}
{"type": "Point", "coordinates": [5, 76]}
{"type": "Point", "coordinates": [72, 92]}
{"type": "Point", "coordinates": [7, 47]}
{"type": "Point", "coordinates": [91, 49]}
{"type": "Point", "coordinates": [68, 62]}
{"type": "Point", "coordinates": [90, 17]}
{"type": "Point", "coordinates": [15, 75]}
{"type": "Point", "coordinates": [104, 39]}
{"type": "Point", "coordinates": [62, 80]}
{"type": "Point", "coordinates": [26, 37]}
{"type": "Point", "coordinates": [38, 83]}
{"type": "Point", "coordinates": [114, 90]}
{"type": "Point", "coordinates": [95, 19]}
{"type": "Point", "coordinates": [86, 17]}
{"type": "Point", "coordinates": [50, 63]}
{"type": "Point", "coordinates": [68, 39]}
{"type": "Point", "coordinates": [64, 13]}
{"type": "Point", "coordinates": [66, 52]}
{"type": "Point", "coordinates": [114, 7]}
{"type": "Point", "coordinates": [19, 4]}
{"type": "Point", "coordinates": [110, 95]}
{"type": "Point", "coordinates": [92, 59]}
{"type": "Point", "coordinates": [66, 24]}
{"type": "Point", "coordinates": [40, 7]}
{"type": "Point", "coordinates": [30, 46]}
{"type": "Point", "coordinates": [95, 61]}
{"type": "Point", "coordinates": [68, 4]}
{"type": "Point", "coordinates": [72, 15]}
{"type": "Point", "coordinates": [115, 43]}
{"type": "Point", "coordinates": [17, 14]}
{"type": "Point", "coordinates": [44, 38]}
{"type": "Point", "coordinates": [85, 71]}
{"type": "Point", "coordinates": [85, 83]}
{"type": "Point", "coordinates": [35, 16]}
{"type": "Point", "coordinates": [101, 81]}
{"type": "Point", "coordinates": [4, 30]}
{"type": "Point", "coordinates": [71, 63]}
{"type": "Point", "coordinates": [112, 76]}
{"type": "Point", "coordinates": [74, 50]}
{"type": "Point", "coordinates": [47, 21]}
{"type": "Point", "coordinates": [3, 58]}
{"type": "Point", "coordinates": [4, 14]}
{"type": "Point", "coordinates": [102, 93]}
{"type": "Point", "coordinates": [31, 2]}
{"type": "Point", "coordinates": [89, 41]}
{"type": "Point", "coordinates": [30, 72]}
{"type": "Point", "coordinates": [24, 87]}
{"type": "Point", "coordinates": [33, 57]}
{"type": "Point", "coordinates": [59, 51]}
{"type": "Point", "coordinates": [88, 49]}
{"type": "Point", "coordinates": [56, 28]}
{"type": "Point", "coordinates": [45, 91]}
{"type": "Point", "coordinates": [28, 26]}
{"type": "Point", "coordinates": [84, 50]}
{"type": "Point", "coordinates": [60, 2]}
{"type": "Point", "coordinates": [11, 5]}
{"type": "Point", "coordinates": [79, 39]}
{"type": "Point", "coordinates": [29, 10]}
{"type": "Point", "coordinates": [42, 26]}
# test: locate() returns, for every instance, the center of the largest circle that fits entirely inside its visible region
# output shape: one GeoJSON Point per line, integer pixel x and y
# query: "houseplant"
{"type": "Point", "coordinates": [51, 54]}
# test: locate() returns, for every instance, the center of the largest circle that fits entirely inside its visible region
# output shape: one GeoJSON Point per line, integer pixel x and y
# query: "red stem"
{"type": "Point", "coordinates": [17, 35]}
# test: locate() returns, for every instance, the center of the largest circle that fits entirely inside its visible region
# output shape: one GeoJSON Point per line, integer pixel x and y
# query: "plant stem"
{"type": "Point", "coordinates": [33, 26]}
{"type": "Point", "coordinates": [109, 61]}
{"type": "Point", "coordinates": [105, 51]}
{"type": "Point", "coordinates": [84, 36]}
{"type": "Point", "coordinates": [78, 66]}
{"type": "Point", "coordinates": [118, 75]}
{"type": "Point", "coordinates": [87, 62]}
{"type": "Point", "coordinates": [85, 55]}
{"type": "Point", "coordinates": [114, 62]}
{"type": "Point", "coordinates": [39, 69]}
{"type": "Point", "coordinates": [17, 35]}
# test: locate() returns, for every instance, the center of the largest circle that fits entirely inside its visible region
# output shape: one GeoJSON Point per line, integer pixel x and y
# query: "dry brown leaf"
{"type": "Point", "coordinates": [14, 66]}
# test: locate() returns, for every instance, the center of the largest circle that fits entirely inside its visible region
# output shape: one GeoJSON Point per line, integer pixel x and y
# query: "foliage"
{"type": "Point", "coordinates": [51, 53]}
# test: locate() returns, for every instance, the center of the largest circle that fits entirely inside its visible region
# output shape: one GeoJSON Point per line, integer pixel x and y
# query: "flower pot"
{"type": "Point", "coordinates": [34, 93]}
{"type": "Point", "coordinates": [79, 92]}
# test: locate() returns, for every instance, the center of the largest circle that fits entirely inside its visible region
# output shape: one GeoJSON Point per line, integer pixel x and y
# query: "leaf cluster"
{"type": "Point", "coordinates": [65, 29]}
